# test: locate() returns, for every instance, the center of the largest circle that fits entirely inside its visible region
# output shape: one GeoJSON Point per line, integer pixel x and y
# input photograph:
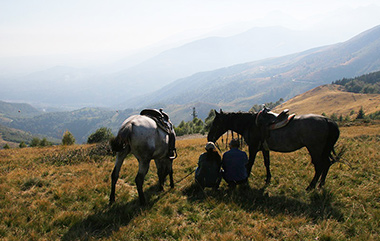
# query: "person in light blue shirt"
{"type": "Point", "coordinates": [234, 165]}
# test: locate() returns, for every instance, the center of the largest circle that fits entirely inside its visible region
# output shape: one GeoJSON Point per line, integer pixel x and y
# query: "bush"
{"type": "Point", "coordinates": [6, 146]}
{"type": "Point", "coordinates": [102, 134]}
{"type": "Point", "coordinates": [35, 142]}
{"type": "Point", "coordinates": [22, 144]}
{"type": "Point", "coordinates": [68, 138]}
{"type": "Point", "coordinates": [190, 127]}
{"type": "Point", "coordinates": [45, 142]}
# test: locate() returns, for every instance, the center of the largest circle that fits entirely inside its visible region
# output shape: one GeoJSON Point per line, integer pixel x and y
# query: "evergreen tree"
{"type": "Point", "coordinates": [361, 114]}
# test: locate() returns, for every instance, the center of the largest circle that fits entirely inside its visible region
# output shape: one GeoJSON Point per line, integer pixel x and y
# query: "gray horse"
{"type": "Point", "coordinates": [140, 135]}
{"type": "Point", "coordinates": [317, 133]}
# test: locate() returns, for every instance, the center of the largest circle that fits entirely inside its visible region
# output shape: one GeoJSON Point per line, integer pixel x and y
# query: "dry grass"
{"type": "Point", "coordinates": [45, 198]}
{"type": "Point", "coordinates": [330, 99]}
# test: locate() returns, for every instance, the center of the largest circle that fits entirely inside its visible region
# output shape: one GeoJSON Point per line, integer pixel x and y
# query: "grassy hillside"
{"type": "Point", "coordinates": [62, 193]}
{"type": "Point", "coordinates": [331, 99]}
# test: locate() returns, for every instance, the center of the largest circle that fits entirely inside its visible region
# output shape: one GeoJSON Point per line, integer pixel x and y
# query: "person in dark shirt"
{"type": "Point", "coordinates": [233, 164]}
{"type": "Point", "coordinates": [208, 172]}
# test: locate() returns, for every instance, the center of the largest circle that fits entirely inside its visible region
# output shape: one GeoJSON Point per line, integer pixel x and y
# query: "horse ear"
{"type": "Point", "coordinates": [221, 112]}
{"type": "Point", "coordinates": [216, 112]}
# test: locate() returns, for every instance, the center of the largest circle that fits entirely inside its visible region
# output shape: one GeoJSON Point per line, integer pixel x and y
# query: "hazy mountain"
{"type": "Point", "coordinates": [240, 86]}
{"type": "Point", "coordinates": [216, 52]}
{"type": "Point", "coordinates": [60, 85]}
{"type": "Point", "coordinates": [73, 88]}
{"type": "Point", "coordinates": [81, 123]}
{"type": "Point", "coordinates": [17, 109]}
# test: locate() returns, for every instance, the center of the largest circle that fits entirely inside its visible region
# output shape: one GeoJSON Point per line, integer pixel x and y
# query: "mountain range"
{"type": "Point", "coordinates": [73, 88]}
{"type": "Point", "coordinates": [233, 88]}
{"type": "Point", "coordinates": [240, 86]}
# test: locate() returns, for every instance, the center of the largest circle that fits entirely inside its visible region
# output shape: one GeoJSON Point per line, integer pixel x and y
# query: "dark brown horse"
{"type": "Point", "coordinates": [317, 133]}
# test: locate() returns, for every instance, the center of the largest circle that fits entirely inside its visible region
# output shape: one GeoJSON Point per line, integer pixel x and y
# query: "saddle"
{"type": "Point", "coordinates": [160, 118]}
{"type": "Point", "coordinates": [267, 120]}
{"type": "Point", "coordinates": [273, 120]}
{"type": "Point", "coordinates": [163, 122]}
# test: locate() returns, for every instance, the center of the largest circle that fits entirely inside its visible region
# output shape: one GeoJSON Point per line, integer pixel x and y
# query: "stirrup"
{"type": "Point", "coordinates": [175, 154]}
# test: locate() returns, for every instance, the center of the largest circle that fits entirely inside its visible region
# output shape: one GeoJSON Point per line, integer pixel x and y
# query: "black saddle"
{"type": "Point", "coordinates": [163, 122]}
{"type": "Point", "coordinates": [159, 117]}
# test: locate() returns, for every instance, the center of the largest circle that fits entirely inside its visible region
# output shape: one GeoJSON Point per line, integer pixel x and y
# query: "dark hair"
{"type": "Point", "coordinates": [235, 143]}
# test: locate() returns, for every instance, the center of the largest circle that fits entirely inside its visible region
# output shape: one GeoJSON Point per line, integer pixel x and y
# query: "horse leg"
{"type": "Point", "coordinates": [143, 170]}
{"type": "Point", "coordinates": [326, 166]}
{"type": "Point", "coordinates": [171, 174]}
{"type": "Point", "coordinates": [164, 168]}
{"type": "Point", "coordinates": [318, 166]}
{"type": "Point", "coordinates": [251, 159]}
{"type": "Point", "coordinates": [267, 164]}
{"type": "Point", "coordinates": [120, 156]}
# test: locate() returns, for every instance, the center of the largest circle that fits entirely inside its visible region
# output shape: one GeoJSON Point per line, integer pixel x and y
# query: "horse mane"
{"type": "Point", "coordinates": [245, 119]}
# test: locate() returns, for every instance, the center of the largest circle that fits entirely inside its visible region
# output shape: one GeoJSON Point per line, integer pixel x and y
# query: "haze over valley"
{"type": "Point", "coordinates": [233, 57]}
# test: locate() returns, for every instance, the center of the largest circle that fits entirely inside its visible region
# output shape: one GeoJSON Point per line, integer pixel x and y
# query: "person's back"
{"type": "Point", "coordinates": [208, 172]}
{"type": "Point", "coordinates": [234, 165]}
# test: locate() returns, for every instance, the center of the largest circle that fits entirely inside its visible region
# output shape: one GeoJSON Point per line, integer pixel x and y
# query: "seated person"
{"type": "Point", "coordinates": [233, 164]}
{"type": "Point", "coordinates": [208, 172]}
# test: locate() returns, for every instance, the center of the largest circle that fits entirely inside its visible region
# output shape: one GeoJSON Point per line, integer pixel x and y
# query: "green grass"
{"type": "Point", "coordinates": [62, 193]}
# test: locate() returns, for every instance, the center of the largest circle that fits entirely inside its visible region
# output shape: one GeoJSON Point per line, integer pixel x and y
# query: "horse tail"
{"type": "Point", "coordinates": [121, 141]}
{"type": "Point", "coordinates": [332, 138]}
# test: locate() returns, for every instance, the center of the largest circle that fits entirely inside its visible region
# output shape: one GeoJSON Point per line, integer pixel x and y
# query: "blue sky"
{"type": "Point", "coordinates": [41, 27]}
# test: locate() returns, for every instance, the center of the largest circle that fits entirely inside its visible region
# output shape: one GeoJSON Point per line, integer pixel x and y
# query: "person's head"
{"type": "Point", "coordinates": [234, 143]}
{"type": "Point", "coordinates": [210, 146]}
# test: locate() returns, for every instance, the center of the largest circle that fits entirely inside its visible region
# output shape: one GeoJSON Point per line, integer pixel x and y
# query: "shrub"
{"type": "Point", "coordinates": [22, 144]}
{"type": "Point", "coordinates": [102, 134]}
{"type": "Point", "coordinates": [45, 142]}
{"type": "Point", "coordinates": [68, 138]}
{"type": "Point", "coordinates": [6, 146]}
{"type": "Point", "coordinates": [35, 142]}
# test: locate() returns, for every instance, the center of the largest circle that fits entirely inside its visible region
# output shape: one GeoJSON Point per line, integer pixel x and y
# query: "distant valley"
{"type": "Point", "coordinates": [15, 126]}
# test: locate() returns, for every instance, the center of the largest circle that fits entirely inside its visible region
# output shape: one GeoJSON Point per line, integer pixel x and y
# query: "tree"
{"type": "Point", "coordinates": [102, 134]}
{"type": "Point", "coordinates": [68, 138]}
{"type": "Point", "coordinates": [361, 114]}
{"type": "Point", "coordinates": [44, 142]}
{"type": "Point", "coordinates": [209, 119]}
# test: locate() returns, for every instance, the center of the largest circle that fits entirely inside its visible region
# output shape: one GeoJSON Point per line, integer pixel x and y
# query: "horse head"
{"type": "Point", "coordinates": [218, 127]}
